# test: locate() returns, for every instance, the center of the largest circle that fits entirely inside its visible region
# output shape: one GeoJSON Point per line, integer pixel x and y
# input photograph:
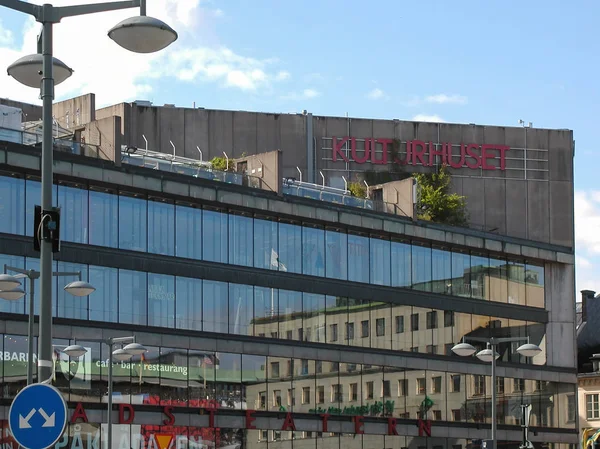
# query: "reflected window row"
{"type": "Point", "coordinates": [196, 378]}
{"type": "Point", "coordinates": [141, 298]}
{"type": "Point", "coordinates": [138, 223]}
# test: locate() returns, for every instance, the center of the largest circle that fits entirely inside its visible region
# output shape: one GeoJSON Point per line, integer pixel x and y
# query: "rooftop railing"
{"type": "Point", "coordinates": [65, 144]}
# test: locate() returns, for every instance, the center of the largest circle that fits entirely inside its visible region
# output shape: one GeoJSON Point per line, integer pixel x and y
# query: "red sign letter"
{"type": "Point", "coordinates": [470, 153]}
{"type": "Point", "coordinates": [122, 419]}
{"type": "Point", "coordinates": [324, 418]}
{"type": "Point", "coordinates": [392, 426]}
{"type": "Point", "coordinates": [79, 413]}
{"type": "Point", "coordinates": [384, 151]}
{"type": "Point", "coordinates": [358, 423]}
{"type": "Point", "coordinates": [418, 154]}
{"type": "Point", "coordinates": [424, 428]}
{"type": "Point", "coordinates": [503, 149]}
{"type": "Point", "coordinates": [461, 162]}
{"type": "Point", "coordinates": [367, 152]}
{"type": "Point", "coordinates": [433, 153]}
{"type": "Point", "coordinates": [250, 419]}
{"type": "Point", "coordinates": [170, 417]}
{"type": "Point", "coordinates": [288, 424]}
{"type": "Point", "coordinates": [485, 156]}
{"type": "Point", "coordinates": [337, 148]}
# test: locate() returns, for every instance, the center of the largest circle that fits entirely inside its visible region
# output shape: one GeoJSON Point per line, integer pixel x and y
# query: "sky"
{"type": "Point", "coordinates": [466, 61]}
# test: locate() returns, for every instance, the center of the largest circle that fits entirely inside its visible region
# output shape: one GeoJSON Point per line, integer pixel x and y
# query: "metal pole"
{"type": "Point", "coordinates": [30, 331]}
{"type": "Point", "coordinates": [493, 344]}
{"type": "Point", "coordinates": [110, 396]}
{"type": "Point", "coordinates": [45, 335]}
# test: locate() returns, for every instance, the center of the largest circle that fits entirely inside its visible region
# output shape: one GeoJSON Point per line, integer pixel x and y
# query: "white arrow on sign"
{"type": "Point", "coordinates": [24, 422]}
{"type": "Point", "coordinates": [50, 420]}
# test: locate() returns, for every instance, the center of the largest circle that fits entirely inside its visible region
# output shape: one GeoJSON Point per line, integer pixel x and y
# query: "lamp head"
{"type": "Point", "coordinates": [486, 355]}
{"type": "Point", "coordinates": [74, 351]}
{"type": "Point", "coordinates": [121, 355]}
{"type": "Point", "coordinates": [135, 349]}
{"type": "Point", "coordinates": [28, 70]}
{"type": "Point", "coordinates": [80, 288]}
{"type": "Point", "coordinates": [143, 34]}
{"type": "Point", "coordinates": [529, 350]}
{"type": "Point", "coordinates": [464, 349]}
{"type": "Point", "coordinates": [8, 282]}
{"type": "Point", "coordinates": [13, 294]}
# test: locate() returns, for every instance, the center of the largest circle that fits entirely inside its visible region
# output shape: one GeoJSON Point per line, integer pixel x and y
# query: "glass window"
{"type": "Point", "coordinates": [240, 309]}
{"type": "Point", "coordinates": [461, 279]}
{"type": "Point", "coordinates": [313, 309]}
{"type": "Point", "coordinates": [432, 320]}
{"type": "Point", "coordinates": [337, 254]}
{"type": "Point", "coordinates": [441, 271]}
{"type": "Point", "coordinates": [380, 261]}
{"type": "Point", "coordinates": [161, 228]}
{"type": "Point", "coordinates": [161, 300]}
{"type": "Point", "coordinates": [498, 285]}
{"type": "Point", "coordinates": [74, 214]}
{"type": "Point", "coordinates": [421, 267]}
{"type": "Point", "coordinates": [12, 204]}
{"type": "Point", "coordinates": [214, 236]}
{"type": "Point", "coordinates": [290, 313]}
{"type": "Point", "coordinates": [266, 252]}
{"type": "Point", "coordinates": [266, 305]}
{"type": "Point", "coordinates": [592, 406]}
{"type": "Point", "coordinates": [313, 251]}
{"type": "Point", "coordinates": [188, 303]}
{"type": "Point", "coordinates": [290, 247]}
{"type": "Point", "coordinates": [215, 310]}
{"type": "Point", "coordinates": [104, 219]}
{"type": "Point", "coordinates": [534, 285]}
{"type": "Point", "coordinates": [188, 232]}
{"type": "Point", "coordinates": [480, 265]}
{"type": "Point", "coordinates": [133, 222]}
{"type": "Point", "coordinates": [70, 306]}
{"type": "Point", "coordinates": [104, 305]}
{"type": "Point", "coordinates": [17, 306]}
{"type": "Point", "coordinates": [132, 297]}
{"type": "Point", "coordinates": [15, 368]}
{"type": "Point", "coordinates": [516, 282]}
{"type": "Point", "coordinates": [337, 315]}
{"type": "Point", "coordinates": [241, 240]}
{"type": "Point", "coordinates": [358, 258]}
{"type": "Point", "coordinates": [401, 264]}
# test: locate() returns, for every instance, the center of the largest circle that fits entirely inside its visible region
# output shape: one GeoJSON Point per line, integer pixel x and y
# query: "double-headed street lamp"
{"type": "Point", "coordinates": [140, 34]}
{"type": "Point", "coordinates": [10, 289]}
{"type": "Point", "coordinates": [490, 355]}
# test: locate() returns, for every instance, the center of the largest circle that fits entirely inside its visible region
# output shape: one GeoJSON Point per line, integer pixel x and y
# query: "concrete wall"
{"type": "Point", "coordinates": [103, 139]}
{"type": "Point", "coordinates": [33, 112]}
{"type": "Point", "coordinates": [265, 166]}
{"type": "Point", "coordinates": [399, 193]}
{"type": "Point", "coordinates": [75, 112]}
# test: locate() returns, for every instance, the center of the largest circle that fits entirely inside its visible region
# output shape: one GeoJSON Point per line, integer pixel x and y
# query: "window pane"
{"type": "Point", "coordinates": [161, 228]}
{"type": "Point", "coordinates": [358, 258]}
{"type": "Point", "coordinates": [132, 223]}
{"type": "Point", "coordinates": [240, 309]}
{"type": "Point", "coordinates": [104, 219]}
{"type": "Point", "coordinates": [104, 305]}
{"type": "Point", "coordinates": [441, 269]}
{"type": "Point", "coordinates": [266, 313]}
{"type": "Point", "coordinates": [516, 282]}
{"type": "Point", "coordinates": [215, 311]}
{"type": "Point", "coordinates": [70, 306]}
{"type": "Point", "coordinates": [161, 300]}
{"type": "Point", "coordinates": [421, 267]}
{"type": "Point", "coordinates": [188, 232]}
{"type": "Point", "coordinates": [132, 297]}
{"type": "Point", "coordinates": [17, 306]}
{"type": "Point", "coordinates": [313, 251]}
{"type": "Point", "coordinates": [290, 314]}
{"type": "Point", "coordinates": [266, 253]}
{"type": "Point", "coordinates": [380, 261]}
{"type": "Point", "coordinates": [214, 236]}
{"type": "Point", "coordinates": [74, 214]}
{"type": "Point", "coordinates": [188, 303]}
{"type": "Point", "coordinates": [497, 280]}
{"type": "Point", "coordinates": [240, 240]}
{"type": "Point", "coordinates": [12, 204]}
{"type": "Point", "coordinates": [336, 255]}
{"type": "Point", "coordinates": [290, 247]}
{"type": "Point", "coordinates": [534, 285]}
{"type": "Point", "coordinates": [401, 264]}
{"type": "Point", "coordinates": [479, 271]}
{"type": "Point", "coordinates": [313, 309]}
{"type": "Point", "coordinates": [461, 266]}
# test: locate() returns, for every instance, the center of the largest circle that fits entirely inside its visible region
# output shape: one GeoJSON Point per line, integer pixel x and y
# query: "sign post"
{"type": "Point", "coordinates": [37, 416]}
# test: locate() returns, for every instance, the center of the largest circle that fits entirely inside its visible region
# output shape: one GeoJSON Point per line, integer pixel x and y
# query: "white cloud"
{"type": "Point", "coordinates": [219, 13]}
{"type": "Point", "coordinates": [446, 99]}
{"type": "Point", "coordinates": [428, 118]}
{"type": "Point", "coordinates": [587, 240]}
{"type": "Point", "coordinates": [375, 94]}
{"type": "Point", "coordinates": [115, 74]}
{"type": "Point", "coordinates": [282, 76]}
{"type": "Point", "coordinates": [311, 93]}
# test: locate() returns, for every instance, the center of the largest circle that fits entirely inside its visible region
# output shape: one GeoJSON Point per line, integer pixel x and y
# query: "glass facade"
{"type": "Point", "coordinates": [134, 222]}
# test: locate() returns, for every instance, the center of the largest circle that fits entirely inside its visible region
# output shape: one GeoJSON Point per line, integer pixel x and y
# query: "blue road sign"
{"type": "Point", "coordinates": [37, 416]}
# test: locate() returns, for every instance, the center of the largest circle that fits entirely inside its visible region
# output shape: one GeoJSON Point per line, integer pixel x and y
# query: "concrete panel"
{"type": "Point", "coordinates": [172, 123]}
{"type": "Point", "coordinates": [560, 342]}
{"type": "Point", "coordinates": [515, 208]}
{"type": "Point", "coordinates": [427, 131]}
{"type": "Point", "coordinates": [268, 137]}
{"type": "Point", "coordinates": [538, 211]}
{"type": "Point", "coordinates": [146, 123]}
{"type": "Point", "coordinates": [450, 133]}
{"type": "Point", "coordinates": [561, 213]}
{"type": "Point", "coordinates": [560, 155]}
{"type": "Point", "coordinates": [515, 137]}
{"type": "Point", "coordinates": [75, 111]}
{"type": "Point", "coordinates": [220, 127]}
{"type": "Point", "coordinates": [475, 201]}
{"type": "Point", "coordinates": [244, 134]}
{"type": "Point", "coordinates": [196, 133]}
{"type": "Point", "coordinates": [495, 201]}
{"type": "Point", "coordinates": [292, 129]}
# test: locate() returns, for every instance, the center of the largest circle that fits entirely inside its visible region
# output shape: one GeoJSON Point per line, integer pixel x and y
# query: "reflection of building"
{"type": "Point", "coordinates": [257, 298]}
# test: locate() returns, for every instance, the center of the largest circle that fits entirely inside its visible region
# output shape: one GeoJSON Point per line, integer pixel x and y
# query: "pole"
{"type": "Point", "coordinates": [30, 331]}
{"type": "Point", "coordinates": [110, 397]}
{"type": "Point", "coordinates": [45, 335]}
{"type": "Point", "coordinates": [493, 344]}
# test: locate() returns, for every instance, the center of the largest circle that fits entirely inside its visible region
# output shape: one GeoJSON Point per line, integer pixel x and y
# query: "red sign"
{"type": "Point", "coordinates": [418, 152]}
{"type": "Point", "coordinates": [424, 428]}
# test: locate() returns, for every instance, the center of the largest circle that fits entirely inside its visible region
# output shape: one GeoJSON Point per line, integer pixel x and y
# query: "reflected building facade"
{"type": "Point", "coordinates": [259, 308]}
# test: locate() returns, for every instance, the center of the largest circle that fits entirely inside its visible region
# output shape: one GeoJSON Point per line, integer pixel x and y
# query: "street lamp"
{"type": "Point", "coordinates": [140, 34]}
{"type": "Point", "coordinates": [76, 288]}
{"type": "Point", "coordinates": [490, 355]}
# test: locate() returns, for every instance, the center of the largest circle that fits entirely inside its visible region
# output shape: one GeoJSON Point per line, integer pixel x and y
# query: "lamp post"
{"type": "Point", "coordinates": [141, 34]}
{"type": "Point", "coordinates": [78, 288]}
{"type": "Point", "coordinates": [490, 355]}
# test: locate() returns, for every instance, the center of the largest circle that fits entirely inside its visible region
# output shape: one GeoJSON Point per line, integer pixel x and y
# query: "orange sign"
{"type": "Point", "coordinates": [163, 440]}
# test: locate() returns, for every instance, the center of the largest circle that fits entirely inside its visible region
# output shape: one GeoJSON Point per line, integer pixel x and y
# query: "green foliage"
{"type": "Point", "coordinates": [435, 202]}
{"type": "Point", "coordinates": [357, 189]}
{"type": "Point", "coordinates": [394, 172]}
{"type": "Point", "coordinates": [220, 163]}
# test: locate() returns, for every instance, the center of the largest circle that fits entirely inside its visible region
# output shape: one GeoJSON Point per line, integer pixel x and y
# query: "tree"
{"type": "Point", "coordinates": [436, 203]}
{"type": "Point", "coordinates": [220, 163]}
{"type": "Point", "coordinates": [357, 189]}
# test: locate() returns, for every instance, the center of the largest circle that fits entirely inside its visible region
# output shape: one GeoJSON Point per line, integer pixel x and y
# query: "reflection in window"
{"type": "Point", "coordinates": [74, 214]}
{"type": "Point", "coordinates": [479, 273]}
{"type": "Point", "coordinates": [161, 300]}
{"type": "Point", "coordinates": [132, 223]}
{"type": "Point", "coordinates": [441, 271]}
{"type": "Point", "coordinates": [70, 306]}
{"type": "Point", "coordinates": [516, 282]}
{"type": "Point", "coordinates": [215, 310]}
{"type": "Point", "coordinates": [313, 251]}
{"type": "Point", "coordinates": [266, 252]}
{"type": "Point", "coordinates": [17, 306]}
{"type": "Point", "coordinates": [498, 285]}
{"type": "Point", "coordinates": [104, 219]}
{"type": "Point", "coordinates": [132, 297]}
{"type": "Point", "coordinates": [314, 316]}
{"type": "Point", "coordinates": [534, 285]}
{"type": "Point", "coordinates": [188, 303]}
{"type": "Point", "coordinates": [290, 312]}
{"type": "Point", "coordinates": [380, 261]}
{"type": "Point", "coordinates": [265, 312]}
{"type": "Point", "coordinates": [12, 204]}
{"type": "Point", "coordinates": [188, 232]}
{"type": "Point", "coordinates": [161, 228]}
{"type": "Point", "coordinates": [401, 264]}
{"type": "Point", "coordinates": [214, 236]}
{"type": "Point", "coordinates": [33, 197]}
{"type": "Point", "coordinates": [421, 267]}
{"type": "Point", "coordinates": [240, 240]}
{"type": "Point", "coordinates": [336, 255]}
{"type": "Point", "coordinates": [290, 247]}
{"type": "Point", "coordinates": [103, 306]}
{"type": "Point", "coordinates": [240, 309]}
{"type": "Point", "coordinates": [461, 280]}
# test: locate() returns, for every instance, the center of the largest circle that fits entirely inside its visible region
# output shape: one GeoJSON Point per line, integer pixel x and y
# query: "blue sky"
{"type": "Point", "coordinates": [468, 61]}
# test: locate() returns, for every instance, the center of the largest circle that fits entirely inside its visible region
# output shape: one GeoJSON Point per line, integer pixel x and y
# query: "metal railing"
{"type": "Point", "coordinates": [60, 144]}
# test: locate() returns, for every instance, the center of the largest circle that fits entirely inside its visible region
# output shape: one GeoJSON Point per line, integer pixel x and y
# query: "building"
{"type": "Point", "coordinates": [267, 302]}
